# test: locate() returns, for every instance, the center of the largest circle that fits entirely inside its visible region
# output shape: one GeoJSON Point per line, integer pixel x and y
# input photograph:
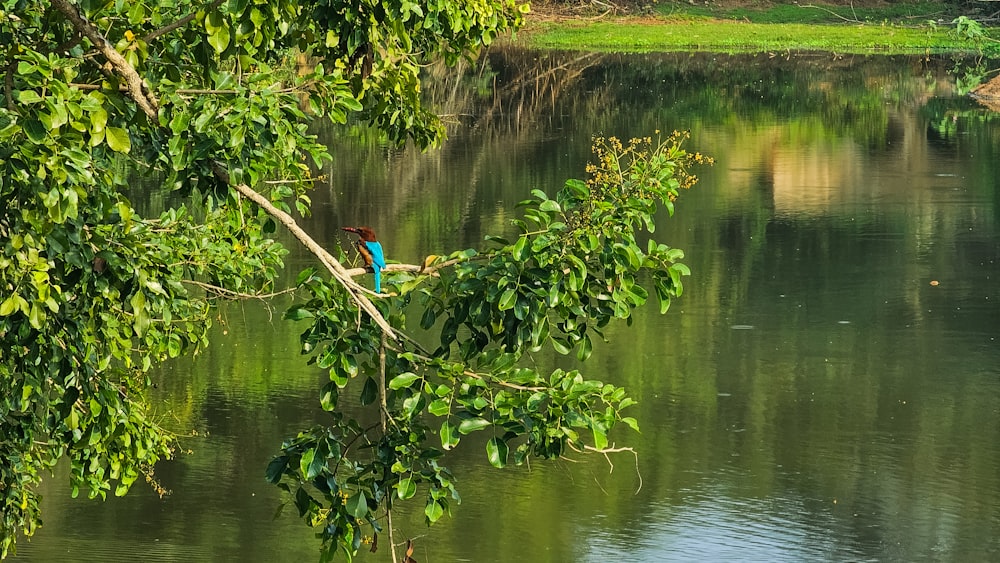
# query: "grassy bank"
{"type": "Point", "coordinates": [912, 28]}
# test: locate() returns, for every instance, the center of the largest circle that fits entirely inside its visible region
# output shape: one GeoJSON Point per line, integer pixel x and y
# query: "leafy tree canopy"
{"type": "Point", "coordinates": [205, 98]}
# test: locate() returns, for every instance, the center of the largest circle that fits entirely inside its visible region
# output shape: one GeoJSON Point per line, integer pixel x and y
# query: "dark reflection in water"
{"type": "Point", "coordinates": [827, 389]}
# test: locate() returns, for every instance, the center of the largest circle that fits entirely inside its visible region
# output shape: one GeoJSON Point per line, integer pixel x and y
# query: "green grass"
{"type": "Point", "coordinates": [889, 28]}
{"type": "Point", "coordinates": [732, 36]}
{"type": "Point", "coordinates": [817, 12]}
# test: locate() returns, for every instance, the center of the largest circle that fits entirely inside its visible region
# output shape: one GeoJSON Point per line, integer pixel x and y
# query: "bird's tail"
{"type": "Point", "coordinates": [378, 278]}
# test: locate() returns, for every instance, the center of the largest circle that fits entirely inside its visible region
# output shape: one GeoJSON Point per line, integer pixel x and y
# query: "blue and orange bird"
{"type": "Point", "coordinates": [371, 252]}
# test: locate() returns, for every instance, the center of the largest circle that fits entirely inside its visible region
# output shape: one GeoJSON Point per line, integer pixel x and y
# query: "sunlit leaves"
{"type": "Point", "coordinates": [406, 488]}
{"type": "Point", "coordinates": [434, 510]}
{"type": "Point", "coordinates": [118, 139]}
{"type": "Point", "coordinates": [217, 29]}
{"type": "Point", "coordinates": [472, 424]}
{"type": "Point", "coordinates": [403, 380]}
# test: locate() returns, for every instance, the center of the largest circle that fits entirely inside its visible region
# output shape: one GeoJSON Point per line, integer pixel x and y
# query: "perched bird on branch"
{"type": "Point", "coordinates": [371, 252]}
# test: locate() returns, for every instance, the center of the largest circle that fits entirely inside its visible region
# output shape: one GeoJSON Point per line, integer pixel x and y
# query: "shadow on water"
{"type": "Point", "coordinates": [826, 389]}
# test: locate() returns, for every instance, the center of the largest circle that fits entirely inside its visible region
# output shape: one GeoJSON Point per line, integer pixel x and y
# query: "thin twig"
{"type": "Point", "coordinates": [612, 450]}
{"type": "Point", "coordinates": [831, 12]}
{"type": "Point", "coordinates": [482, 377]}
{"type": "Point", "coordinates": [231, 294]}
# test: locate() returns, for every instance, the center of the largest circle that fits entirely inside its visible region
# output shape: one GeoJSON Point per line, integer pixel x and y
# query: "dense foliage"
{"type": "Point", "coordinates": [198, 96]}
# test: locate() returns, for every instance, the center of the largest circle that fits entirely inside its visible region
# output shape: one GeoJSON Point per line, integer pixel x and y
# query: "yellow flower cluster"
{"type": "Point", "coordinates": [150, 476]}
{"type": "Point", "coordinates": [616, 163]}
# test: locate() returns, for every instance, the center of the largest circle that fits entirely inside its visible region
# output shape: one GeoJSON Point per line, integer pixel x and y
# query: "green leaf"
{"type": "Point", "coordinates": [433, 511]}
{"type": "Point", "coordinates": [403, 380]}
{"type": "Point", "coordinates": [507, 300]}
{"type": "Point", "coordinates": [449, 438]}
{"type": "Point", "coordinates": [329, 395]}
{"type": "Point", "coordinates": [519, 252]}
{"type": "Point", "coordinates": [141, 322]}
{"type": "Point", "coordinates": [413, 404]}
{"type": "Point", "coordinates": [276, 469]}
{"type": "Point", "coordinates": [28, 96]}
{"type": "Point", "coordinates": [631, 422]}
{"type": "Point", "coordinates": [550, 205]}
{"type": "Point", "coordinates": [218, 31]}
{"type": "Point", "coordinates": [9, 305]}
{"type": "Point", "coordinates": [35, 131]}
{"type": "Point", "coordinates": [298, 313]}
{"type": "Point", "coordinates": [496, 452]}
{"type": "Point", "coordinates": [406, 488]}
{"type": "Point", "coordinates": [439, 407]}
{"type": "Point", "coordinates": [36, 316]}
{"type": "Point", "coordinates": [428, 318]}
{"type": "Point", "coordinates": [369, 392]}
{"type": "Point", "coordinates": [118, 139]}
{"type": "Point", "coordinates": [357, 505]}
{"type": "Point", "coordinates": [306, 463]}
{"type": "Point", "coordinates": [174, 345]}
{"type": "Point", "coordinates": [98, 120]}
{"type": "Point", "coordinates": [600, 438]}
{"type": "Point", "coordinates": [473, 424]}
{"type": "Point", "coordinates": [585, 349]}
{"type": "Point", "coordinates": [25, 395]}
{"type": "Point", "coordinates": [560, 345]}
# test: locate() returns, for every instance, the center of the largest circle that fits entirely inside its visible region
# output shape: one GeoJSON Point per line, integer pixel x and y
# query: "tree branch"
{"type": "Point", "coordinates": [332, 265]}
{"type": "Point", "coordinates": [137, 89]}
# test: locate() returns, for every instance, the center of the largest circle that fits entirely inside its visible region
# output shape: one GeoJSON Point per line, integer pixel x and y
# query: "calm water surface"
{"type": "Point", "coordinates": [827, 389]}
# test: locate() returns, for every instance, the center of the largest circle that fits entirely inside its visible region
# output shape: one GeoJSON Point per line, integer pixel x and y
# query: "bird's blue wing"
{"type": "Point", "coordinates": [378, 257]}
{"type": "Point", "coordinates": [378, 262]}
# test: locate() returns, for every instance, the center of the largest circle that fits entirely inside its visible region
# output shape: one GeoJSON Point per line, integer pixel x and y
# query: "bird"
{"type": "Point", "coordinates": [371, 252]}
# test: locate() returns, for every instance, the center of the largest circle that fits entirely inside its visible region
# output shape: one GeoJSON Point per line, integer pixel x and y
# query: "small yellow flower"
{"type": "Point", "coordinates": [129, 36]}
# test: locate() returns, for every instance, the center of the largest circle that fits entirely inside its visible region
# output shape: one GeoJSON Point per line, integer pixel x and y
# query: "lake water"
{"type": "Point", "coordinates": [827, 389]}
